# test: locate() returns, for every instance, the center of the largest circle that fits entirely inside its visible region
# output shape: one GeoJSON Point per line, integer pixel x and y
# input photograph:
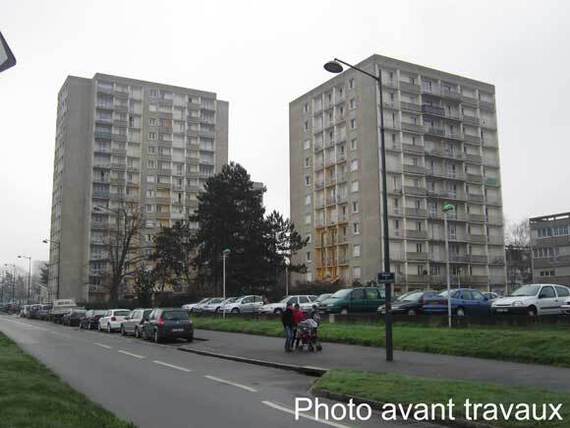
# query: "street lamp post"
{"type": "Point", "coordinates": [336, 67]}
{"type": "Point", "coordinates": [447, 208]}
{"type": "Point", "coordinates": [225, 254]}
{"type": "Point", "coordinates": [29, 276]}
{"type": "Point", "coordinates": [58, 245]}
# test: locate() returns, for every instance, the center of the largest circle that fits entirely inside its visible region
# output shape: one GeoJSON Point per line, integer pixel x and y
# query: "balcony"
{"type": "Point", "coordinates": [478, 259]}
{"type": "Point", "coordinates": [492, 182]}
{"type": "Point", "coordinates": [469, 100]}
{"type": "Point", "coordinates": [121, 108]}
{"type": "Point", "coordinates": [448, 154]}
{"type": "Point", "coordinates": [451, 93]}
{"type": "Point", "coordinates": [477, 279]}
{"type": "Point", "coordinates": [411, 148]}
{"type": "Point", "coordinates": [433, 110]}
{"type": "Point", "coordinates": [474, 197]}
{"type": "Point", "coordinates": [477, 239]}
{"type": "Point", "coordinates": [119, 138]}
{"type": "Point", "coordinates": [398, 212]}
{"type": "Point", "coordinates": [416, 234]}
{"type": "Point", "coordinates": [454, 135]}
{"type": "Point", "coordinates": [100, 194]}
{"type": "Point", "coordinates": [410, 106]}
{"type": "Point", "coordinates": [103, 135]}
{"type": "Point", "coordinates": [414, 169]}
{"type": "Point", "coordinates": [486, 105]}
{"type": "Point", "coordinates": [476, 218]}
{"type": "Point", "coordinates": [319, 184]}
{"type": "Point", "coordinates": [433, 90]}
{"type": "Point", "coordinates": [495, 220]}
{"type": "Point", "coordinates": [413, 190]}
{"type": "Point", "coordinates": [416, 212]}
{"type": "Point", "coordinates": [470, 120]}
{"type": "Point", "coordinates": [473, 158]}
{"type": "Point", "coordinates": [438, 132]}
{"type": "Point", "coordinates": [472, 139]}
{"type": "Point", "coordinates": [410, 87]}
{"type": "Point", "coordinates": [414, 256]}
{"type": "Point", "coordinates": [412, 127]}
{"type": "Point", "coordinates": [474, 178]}
{"type": "Point", "coordinates": [492, 162]}
{"type": "Point", "coordinates": [497, 260]}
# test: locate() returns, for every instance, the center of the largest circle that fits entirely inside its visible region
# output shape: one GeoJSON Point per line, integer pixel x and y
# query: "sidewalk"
{"type": "Point", "coordinates": [373, 359]}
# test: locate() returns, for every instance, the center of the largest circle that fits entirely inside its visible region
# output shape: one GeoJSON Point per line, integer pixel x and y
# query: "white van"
{"type": "Point", "coordinates": [60, 308]}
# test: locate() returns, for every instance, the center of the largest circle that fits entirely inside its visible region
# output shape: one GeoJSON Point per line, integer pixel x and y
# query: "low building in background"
{"type": "Point", "coordinates": [550, 244]}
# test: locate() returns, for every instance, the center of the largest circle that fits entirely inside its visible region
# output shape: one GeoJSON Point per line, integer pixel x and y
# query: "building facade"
{"type": "Point", "coordinates": [441, 146]}
{"type": "Point", "coordinates": [550, 243]}
{"type": "Point", "coordinates": [118, 141]}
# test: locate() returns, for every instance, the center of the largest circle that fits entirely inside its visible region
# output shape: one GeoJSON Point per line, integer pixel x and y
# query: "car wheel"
{"type": "Point", "coordinates": [109, 330]}
{"type": "Point", "coordinates": [156, 337]}
{"type": "Point", "coordinates": [123, 332]}
{"type": "Point", "coordinates": [277, 311]}
{"type": "Point", "coordinates": [460, 312]}
{"type": "Point", "coordinates": [344, 311]}
{"type": "Point", "coordinates": [235, 311]}
{"type": "Point", "coordinates": [532, 312]}
{"type": "Point", "coordinates": [411, 312]}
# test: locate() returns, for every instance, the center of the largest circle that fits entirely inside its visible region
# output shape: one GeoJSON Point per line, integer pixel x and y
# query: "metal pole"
{"type": "Point", "coordinates": [286, 279]}
{"type": "Point", "coordinates": [29, 277]}
{"type": "Point", "coordinates": [447, 268]}
{"type": "Point", "coordinates": [387, 287]}
{"type": "Point", "coordinates": [224, 284]}
{"type": "Point", "coordinates": [58, 268]}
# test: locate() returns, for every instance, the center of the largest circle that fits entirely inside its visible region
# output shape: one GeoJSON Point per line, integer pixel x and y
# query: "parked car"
{"type": "Point", "coordinates": [225, 304]}
{"type": "Point", "coordinates": [566, 307]}
{"type": "Point", "coordinates": [112, 320]}
{"type": "Point", "coordinates": [491, 295]}
{"type": "Point", "coordinates": [44, 311]}
{"type": "Point", "coordinates": [410, 303]}
{"type": "Point", "coordinates": [133, 324]}
{"type": "Point", "coordinates": [245, 304]}
{"type": "Point", "coordinates": [91, 319]}
{"type": "Point", "coordinates": [305, 302]}
{"type": "Point", "coordinates": [171, 323]}
{"type": "Point", "coordinates": [195, 307]}
{"type": "Point", "coordinates": [533, 300]}
{"type": "Point", "coordinates": [361, 299]}
{"type": "Point", "coordinates": [73, 317]}
{"type": "Point", "coordinates": [212, 305]}
{"type": "Point", "coordinates": [322, 298]}
{"type": "Point", "coordinates": [34, 310]}
{"type": "Point", "coordinates": [24, 311]}
{"type": "Point", "coordinates": [464, 301]}
{"type": "Point", "coordinates": [61, 307]}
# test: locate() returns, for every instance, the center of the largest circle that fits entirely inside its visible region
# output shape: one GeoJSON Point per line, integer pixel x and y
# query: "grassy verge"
{"type": "Point", "coordinates": [523, 345]}
{"type": "Point", "coordinates": [393, 388]}
{"type": "Point", "coordinates": [32, 396]}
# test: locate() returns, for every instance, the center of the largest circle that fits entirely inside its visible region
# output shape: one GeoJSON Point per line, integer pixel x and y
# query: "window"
{"type": "Point", "coordinates": [356, 251]}
{"type": "Point", "coordinates": [150, 179]}
{"type": "Point", "coordinates": [547, 293]}
{"type": "Point", "coordinates": [307, 162]}
{"type": "Point", "coordinates": [355, 206]}
{"type": "Point", "coordinates": [308, 256]}
{"type": "Point", "coordinates": [352, 123]}
{"type": "Point", "coordinates": [152, 121]}
{"type": "Point", "coordinates": [307, 200]}
{"type": "Point", "coordinates": [306, 125]}
{"type": "Point", "coordinates": [351, 83]}
{"type": "Point", "coordinates": [354, 186]}
{"type": "Point", "coordinates": [356, 228]}
{"type": "Point", "coordinates": [306, 108]}
{"type": "Point", "coordinates": [352, 103]}
{"type": "Point", "coordinates": [353, 144]}
{"type": "Point", "coordinates": [354, 165]}
{"type": "Point", "coordinates": [356, 272]}
{"type": "Point", "coordinates": [309, 238]}
{"type": "Point", "coordinates": [308, 219]}
{"type": "Point", "coordinates": [152, 135]}
{"type": "Point", "coordinates": [562, 291]}
{"type": "Point", "coordinates": [307, 144]}
{"type": "Point", "coordinates": [307, 180]}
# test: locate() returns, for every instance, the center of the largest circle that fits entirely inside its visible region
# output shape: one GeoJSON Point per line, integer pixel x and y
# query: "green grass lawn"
{"type": "Point", "coordinates": [528, 345]}
{"type": "Point", "coordinates": [32, 396]}
{"type": "Point", "coordinates": [393, 388]}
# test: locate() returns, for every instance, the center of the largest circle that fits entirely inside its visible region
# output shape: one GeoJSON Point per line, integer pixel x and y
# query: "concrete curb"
{"type": "Point", "coordinates": [377, 405]}
{"type": "Point", "coordinates": [306, 370]}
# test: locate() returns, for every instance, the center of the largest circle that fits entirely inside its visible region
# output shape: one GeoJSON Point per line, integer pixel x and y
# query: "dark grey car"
{"type": "Point", "coordinates": [133, 324]}
{"type": "Point", "coordinates": [169, 323]}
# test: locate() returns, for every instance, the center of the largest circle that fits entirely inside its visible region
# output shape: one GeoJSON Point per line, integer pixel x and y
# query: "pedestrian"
{"type": "Point", "coordinates": [288, 325]}
{"type": "Point", "coordinates": [315, 314]}
{"type": "Point", "coordinates": [298, 316]}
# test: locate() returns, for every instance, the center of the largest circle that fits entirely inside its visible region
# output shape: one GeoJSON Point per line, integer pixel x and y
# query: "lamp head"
{"type": "Point", "coordinates": [226, 252]}
{"type": "Point", "coordinates": [333, 67]}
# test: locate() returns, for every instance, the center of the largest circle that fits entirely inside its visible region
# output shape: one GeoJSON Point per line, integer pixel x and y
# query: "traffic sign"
{"type": "Point", "coordinates": [386, 277]}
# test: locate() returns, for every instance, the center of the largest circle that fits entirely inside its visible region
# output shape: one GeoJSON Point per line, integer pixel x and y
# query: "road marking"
{"type": "Point", "coordinates": [130, 354]}
{"type": "Point", "coordinates": [102, 345]}
{"type": "Point", "coordinates": [227, 382]}
{"type": "Point", "coordinates": [172, 366]}
{"type": "Point", "coordinates": [292, 412]}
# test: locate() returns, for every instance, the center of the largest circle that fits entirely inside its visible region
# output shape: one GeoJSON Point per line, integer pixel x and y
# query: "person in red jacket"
{"type": "Point", "coordinates": [298, 316]}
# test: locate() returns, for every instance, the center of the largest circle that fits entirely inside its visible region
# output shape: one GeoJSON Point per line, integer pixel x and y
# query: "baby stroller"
{"type": "Point", "coordinates": [307, 334]}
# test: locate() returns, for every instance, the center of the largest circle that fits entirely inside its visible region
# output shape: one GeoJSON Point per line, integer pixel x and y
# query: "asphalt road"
{"type": "Point", "coordinates": [158, 385]}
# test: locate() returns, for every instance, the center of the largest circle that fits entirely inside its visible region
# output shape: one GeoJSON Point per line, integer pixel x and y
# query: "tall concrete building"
{"type": "Point", "coordinates": [441, 146]}
{"type": "Point", "coordinates": [117, 140]}
{"type": "Point", "coordinates": [550, 243]}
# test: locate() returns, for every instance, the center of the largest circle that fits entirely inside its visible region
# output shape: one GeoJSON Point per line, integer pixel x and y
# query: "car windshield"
{"type": "Point", "coordinates": [174, 315]}
{"type": "Point", "coordinates": [230, 300]}
{"type": "Point", "coordinates": [121, 313]}
{"type": "Point", "coordinates": [527, 290]}
{"type": "Point", "coordinates": [444, 294]}
{"type": "Point", "coordinates": [284, 299]}
{"type": "Point", "coordinates": [322, 297]}
{"type": "Point", "coordinates": [99, 312]}
{"type": "Point", "coordinates": [216, 300]}
{"type": "Point", "coordinates": [412, 296]}
{"type": "Point", "coordinates": [341, 293]}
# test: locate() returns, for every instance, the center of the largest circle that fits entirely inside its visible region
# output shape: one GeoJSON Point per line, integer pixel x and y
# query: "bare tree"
{"type": "Point", "coordinates": [517, 234]}
{"type": "Point", "coordinates": [123, 244]}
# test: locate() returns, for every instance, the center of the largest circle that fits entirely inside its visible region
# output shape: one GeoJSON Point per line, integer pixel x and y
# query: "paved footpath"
{"type": "Point", "coordinates": [373, 359]}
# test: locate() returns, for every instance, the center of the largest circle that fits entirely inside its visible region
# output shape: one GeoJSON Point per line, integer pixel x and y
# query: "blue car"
{"type": "Point", "coordinates": [464, 301]}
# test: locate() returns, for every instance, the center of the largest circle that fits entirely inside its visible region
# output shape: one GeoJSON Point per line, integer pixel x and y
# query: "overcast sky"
{"type": "Point", "coordinates": [261, 55]}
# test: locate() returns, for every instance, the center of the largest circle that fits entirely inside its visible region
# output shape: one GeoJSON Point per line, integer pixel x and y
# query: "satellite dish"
{"type": "Point", "coordinates": [7, 58]}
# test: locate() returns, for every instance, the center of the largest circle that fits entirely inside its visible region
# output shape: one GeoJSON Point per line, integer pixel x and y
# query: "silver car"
{"type": "Point", "coordinates": [133, 323]}
{"type": "Point", "coordinates": [245, 304]}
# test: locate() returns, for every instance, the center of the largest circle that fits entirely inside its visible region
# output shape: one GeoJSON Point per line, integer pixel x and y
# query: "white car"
{"type": "Point", "coordinates": [213, 305]}
{"type": "Point", "coordinates": [533, 300]}
{"type": "Point", "coordinates": [192, 306]}
{"type": "Point", "coordinates": [305, 303]}
{"type": "Point", "coordinates": [245, 304]}
{"type": "Point", "coordinates": [112, 320]}
{"type": "Point", "coordinates": [566, 307]}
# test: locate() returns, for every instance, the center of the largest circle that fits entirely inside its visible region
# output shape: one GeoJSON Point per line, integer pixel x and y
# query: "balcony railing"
{"type": "Point", "coordinates": [410, 87]}
{"type": "Point", "coordinates": [471, 120]}
{"type": "Point", "coordinates": [414, 169]}
{"type": "Point", "coordinates": [413, 190]}
{"type": "Point", "coordinates": [416, 234]}
{"type": "Point", "coordinates": [410, 106]}
{"type": "Point", "coordinates": [473, 197]}
{"type": "Point", "coordinates": [479, 239]}
{"type": "Point", "coordinates": [411, 148]}
{"type": "Point", "coordinates": [413, 127]}
{"type": "Point", "coordinates": [472, 139]}
{"type": "Point", "coordinates": [473, 158]}
{"type": "Point", "coordinates": [492, 182]}
{"type": "Point", "coordinates": [476, 218]}
{"type": "Point", "coordinates": [474, 178]}
{"type": "Point", "coordinates": [433, 110]}
{"type": "Point", "coordinates": [411, 255]}
{"type": "Point", "coordinates": [439, 132]}
{"type": "Point", "coordinates": [416, 212]}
